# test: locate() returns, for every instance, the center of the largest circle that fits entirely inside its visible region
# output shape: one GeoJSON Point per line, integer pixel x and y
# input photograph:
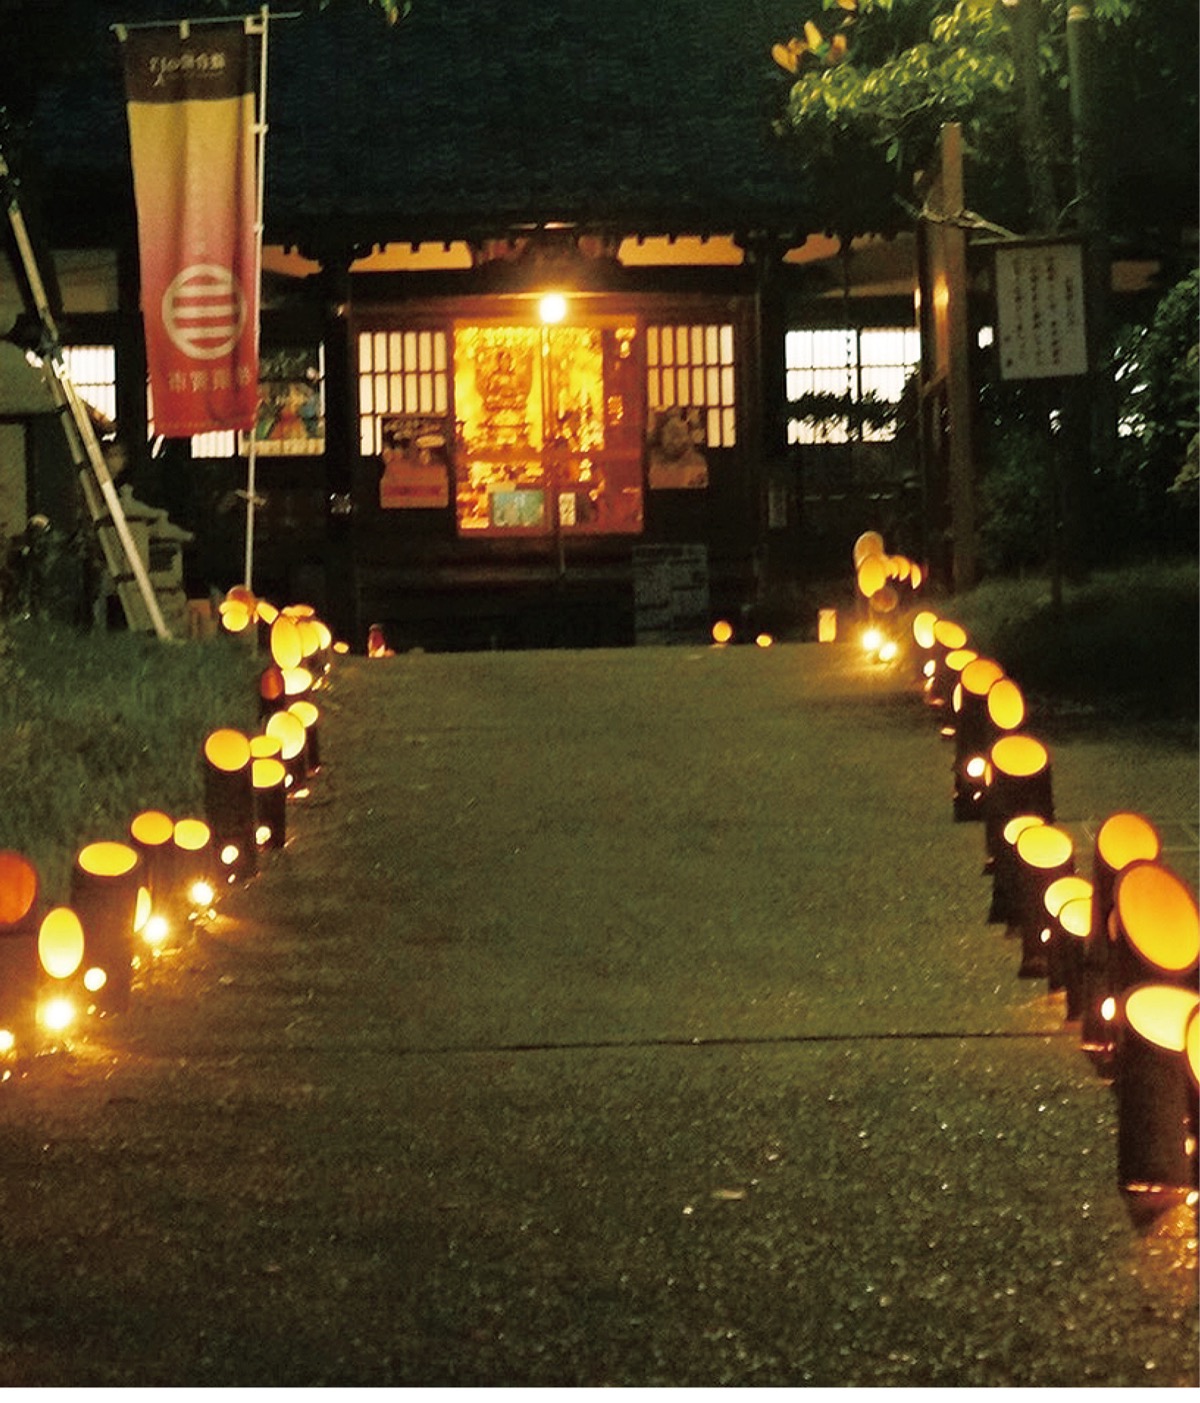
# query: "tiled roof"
{"type": "Point", "coordinates": [476, 115]}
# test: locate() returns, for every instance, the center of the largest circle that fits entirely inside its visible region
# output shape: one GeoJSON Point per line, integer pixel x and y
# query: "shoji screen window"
{"type": "Point", "coordinates": [399, 372]}
{"type": "Point", "coordinates": [93, 372]}
{"type": "Point", "coordinates": [848, 363]}
{"type": "Point", "coordinates": [692, 367]}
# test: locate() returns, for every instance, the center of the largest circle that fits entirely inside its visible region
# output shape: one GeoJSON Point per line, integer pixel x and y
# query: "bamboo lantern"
{"type": "Point", "coordinates": [297, 682]}
{"type": "Point", "coordinates": [827, 624]}
{"type": "Point", "coordinates": [1018, 781]}
{"type": "Point", "coordinates": [1075, 921]}
{"type": "Point", "coordinates": [922, 633]}
{"type": "Point", "coordinates": [871, 575]}
{"type": "Point", "coordinates": [1191, 1046]}
{"type": "Point", "coordinates": [313, 637]}
{"type": "Point", "coordinates": [1044, 854]}
{"type": "Point", "coordinates": [271, 690]}
{"type": "Point", "coordinates": [289, 730]}
{"type": "Point", "coordinates": [235, 615]}
{"type": "Point", "coordinates": [1006, 871]}
{"type": "Point", "coordinates": [947, 671]}
{"type": "Point", "coordinates": [310, 717]}
{"type": "Point", "coordinates": [1005, 707]}
{"type": "Point", "coordinates": [1155, 926]}
{"type": "Point", "coordinates": [269, 776]}
{"type": "Point", "coordinates": [869, 543]}
{"type": "Point", "coordinates": [1065, 951]}
{"type": "Point", "coordinates": [229, 802]}
{"type": "Point", "coordinates": [323, 658]}
{"type": "Point", "coordinates": [1122, 838]}
{"type": "Point", "coordinates": [194, 867]}
{"type": "Point", "coordinates": [286, 647]}
{"type": "Point", "coordinates": [973, 735]}
{"type": "Point", "coordinates": [152, 833]}
{"type": "Point", "coordinates": [106, 882]}
{"type": "Point", "coordinates": [19, 893]}
{"type": "Point", "coordinates": [947, 637]}
{"type": "Point", "coordinates": [61, 946]}
{"type": "Point", "coordinates": [1156, 1102]}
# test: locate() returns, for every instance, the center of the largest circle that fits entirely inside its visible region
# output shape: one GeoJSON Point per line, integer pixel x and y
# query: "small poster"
{"type": "Point", "coordinates": [1040, 310]}
{"type": "Point", "coordinates": [674, 449]}
{"type": "Point", "coordinates": [291, 412]}
{"type": "Point", "coordinates": [416, 465]}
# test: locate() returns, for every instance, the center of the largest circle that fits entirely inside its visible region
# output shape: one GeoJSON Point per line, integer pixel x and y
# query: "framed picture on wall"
{"type": "Point", "coordinates": [291, 404]}
{"type": "Point", "coordinates": [416, 462]}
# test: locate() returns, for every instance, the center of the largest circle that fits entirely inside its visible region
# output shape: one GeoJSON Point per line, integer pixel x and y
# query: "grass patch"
{"type": "Point", "coordinates": [1123, 649]}
{"type": "Point", "coordinates": [96, 727]}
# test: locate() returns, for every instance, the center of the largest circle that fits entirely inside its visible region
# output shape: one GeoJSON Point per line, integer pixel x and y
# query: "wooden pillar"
{"type": "Point", "coordinates": [948, 434]}
{"type": "Point", "coordinates": [145, 473]}
{"type": "Point", "coordinates": [341, 451]}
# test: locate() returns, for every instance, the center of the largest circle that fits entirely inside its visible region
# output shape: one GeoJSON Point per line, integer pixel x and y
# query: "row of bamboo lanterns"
{"type": "Point", "coordinates": [127, 897]}
{"type": "Point", "coordinates": [1121, 947]}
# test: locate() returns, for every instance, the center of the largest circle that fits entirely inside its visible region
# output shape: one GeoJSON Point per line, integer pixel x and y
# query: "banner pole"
{"type": "Point", "coordinates": [260, 196]}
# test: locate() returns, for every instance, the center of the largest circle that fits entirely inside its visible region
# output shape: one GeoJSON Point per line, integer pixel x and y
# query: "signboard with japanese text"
{"type": "Point", "coordinates": [191, 106]}
{"type": "Point", "coordinates": [1040, 323]}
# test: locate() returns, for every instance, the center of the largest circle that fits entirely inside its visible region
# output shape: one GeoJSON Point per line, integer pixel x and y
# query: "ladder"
{"type": "Point", "coordinates": [122, 558]}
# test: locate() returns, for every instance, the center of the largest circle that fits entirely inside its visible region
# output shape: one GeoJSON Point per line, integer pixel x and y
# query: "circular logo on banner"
{"type": "Point", "coordinates": [204, 311]}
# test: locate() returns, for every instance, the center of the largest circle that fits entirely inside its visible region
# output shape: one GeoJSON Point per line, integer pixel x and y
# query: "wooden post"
{"type": "Point", "coordinates": [945, 323]}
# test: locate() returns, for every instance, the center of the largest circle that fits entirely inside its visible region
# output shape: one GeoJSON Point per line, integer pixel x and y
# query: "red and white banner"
{"type": "Point", "coordinates": [192, 138]}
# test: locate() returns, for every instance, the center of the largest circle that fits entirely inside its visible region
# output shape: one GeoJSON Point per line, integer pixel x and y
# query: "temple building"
{"type": "Point", "coordinates": [541, 289]}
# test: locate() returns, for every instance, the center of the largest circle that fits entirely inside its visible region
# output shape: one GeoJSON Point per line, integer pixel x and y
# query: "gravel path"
{"type": "Point", "coordinates": [611, 1018]}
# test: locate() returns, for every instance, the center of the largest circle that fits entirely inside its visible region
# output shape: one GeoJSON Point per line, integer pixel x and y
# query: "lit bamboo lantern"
{"type": "Point", "coordinates": [152, 833]}
{"type": "Point", "coordinates": [947, 670]}
{"type": "Point", "coordinates": [1122, 838]}
{"type": "Point", "coordinates": [869, 543]}
{"type": "Point", "coordinates": [324, 653]}
{"type": "Point", "coordinates": [1065, 950]}
{"type": "Point", "coordinates": [827, 625]}
{"type": "Point", "coordinates": [287, 648]}
{"type": "Point", "coordinates": [106, 882]}
{"type": "Point", "coordinates": [310, 717]}
{"type": "Point", "coordinates": [19, 892]}
{"type": "Point", "coordinates": [1156, 1103]}
{"type": "Point", "coordinates": [289, 730]}
{"type": "Point", "coordinates": [235, 615]}
{"type": "Point", "coordinates": [1075, 920]}
{"type": "Point", "coordinates": [1155, 925]}
{"type": "Point", "coordinates": [195, 867]}
{"type": "Point", "coordinates": [1044, 853]}
{"type": "Point", "coordinates": [1191, 1046]}
{"type": "Point", "coordinates": [973, 735]}
{"type": "Point", "coordinates": [947, 637]}
{"type": "Point", "coordinates": [312, 636]}
{"type": "Point", "coordinates": [297, 682]}
{"type": "Point", "coordinates": [269, 777]}
{"type": "Point", "coordinates": [1018, 781]}
{"type": "Point", "coordinates": [1006, 871]}
{"type": "Point", "coordinates": [924, 644]}
{"type": "Point", "coordinates": [61, 947]}
{"type": "Point", "coordinates": [271, 690]}
{"type": "Point", "coordinates": [229, 802]}
{"type": "Point", "coordinates": [871, 575]}
{"type": "Point", "coordinates": [1005, 707]}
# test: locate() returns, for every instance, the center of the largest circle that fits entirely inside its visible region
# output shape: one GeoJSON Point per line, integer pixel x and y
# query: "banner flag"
{"type": "Point", "coordinates": [191, 113]}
